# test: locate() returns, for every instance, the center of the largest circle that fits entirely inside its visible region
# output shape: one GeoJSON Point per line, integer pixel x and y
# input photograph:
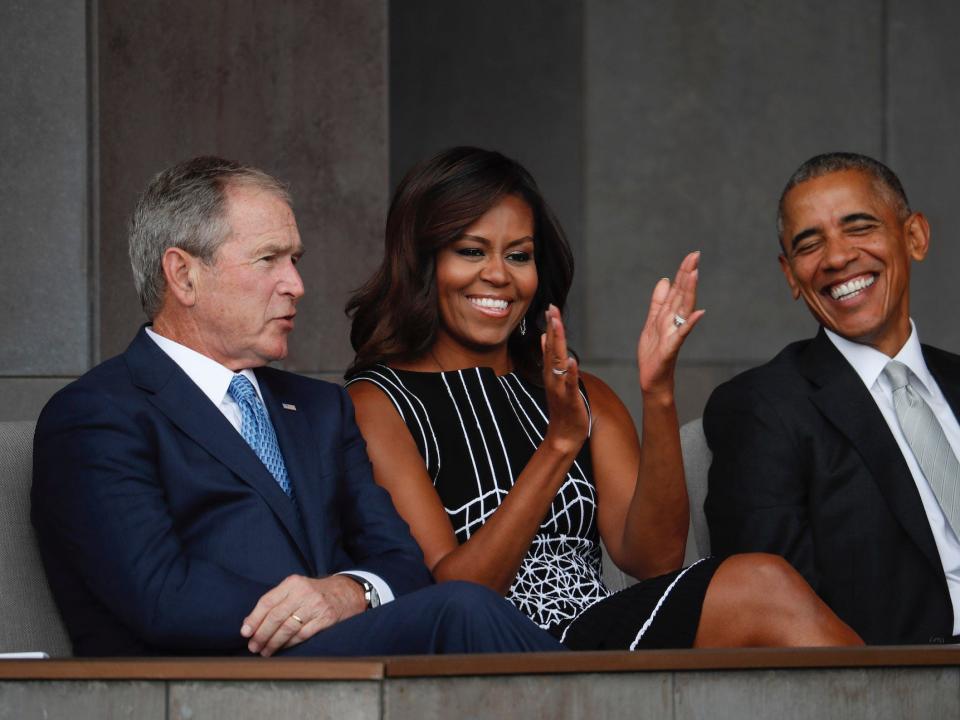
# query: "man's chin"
{"type": "Point", "coordinates": [274, 354]}
{"type": "Point", "coordinates": [848, 329]}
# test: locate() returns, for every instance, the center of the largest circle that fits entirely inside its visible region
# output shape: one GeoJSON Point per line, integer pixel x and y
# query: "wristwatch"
{"type": "Point", "coordinates": [370, 594]}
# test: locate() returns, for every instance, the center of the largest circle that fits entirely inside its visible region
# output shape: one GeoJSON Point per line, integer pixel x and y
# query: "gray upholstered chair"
{"type": "Point", "coordinates": [696, 463]}
{"type": "Point", "coordinates": [31, 621]}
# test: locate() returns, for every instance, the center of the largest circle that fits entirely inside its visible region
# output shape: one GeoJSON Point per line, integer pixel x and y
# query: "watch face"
{"type": "Point", "coordinates": [373, 597]}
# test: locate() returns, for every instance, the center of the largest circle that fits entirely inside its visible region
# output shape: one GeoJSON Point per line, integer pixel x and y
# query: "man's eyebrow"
{"type": "Point", "coordinates": [279, 248]}
{"type": "Point", "coordinates": [858, 217]}
{"type": "Point", "coordinates": [845, 220]}
{"type": "Point", "coordinates": [801, 236]}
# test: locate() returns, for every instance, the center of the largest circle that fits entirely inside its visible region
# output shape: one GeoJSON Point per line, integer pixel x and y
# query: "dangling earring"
{"type": "Point", "coordinates": [523, 325]}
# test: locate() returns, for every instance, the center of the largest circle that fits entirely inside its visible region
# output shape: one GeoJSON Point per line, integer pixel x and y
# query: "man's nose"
{"type": "Point", "coordinates": [839, 251]}
{"type": "Point", "coordinates": [293, 283]}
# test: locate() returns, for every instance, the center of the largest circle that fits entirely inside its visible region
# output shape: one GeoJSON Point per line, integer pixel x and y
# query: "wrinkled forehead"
{"type": "Point", "coordinates": [829, 198]}
{"type": "Point", "coordinates": [254, 216]}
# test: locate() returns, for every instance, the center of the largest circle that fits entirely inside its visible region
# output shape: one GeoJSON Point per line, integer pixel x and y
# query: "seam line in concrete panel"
{"type": "Point", "coordinates": [93, 185]}
{"type": "Point", "coordinates": [725, 363]}
{"type": "Point", "coordinates": [885, 80]}
{"type": "Point", "coordinates": [382, 687]}
{"type": "Point", "coordinates": [581, 242]}
{"type": "Point", "coordinates": [38, 377]}
{"type": "Point", "coordinates": [585, 226]}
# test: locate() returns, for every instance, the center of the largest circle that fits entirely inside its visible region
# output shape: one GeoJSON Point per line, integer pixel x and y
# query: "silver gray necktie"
{"type": "Point", "coordinates": [925, 437]}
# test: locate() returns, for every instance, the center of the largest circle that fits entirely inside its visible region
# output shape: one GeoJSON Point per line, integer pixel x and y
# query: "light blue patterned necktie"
{"type": "Point", "coordinates": [257, 431]}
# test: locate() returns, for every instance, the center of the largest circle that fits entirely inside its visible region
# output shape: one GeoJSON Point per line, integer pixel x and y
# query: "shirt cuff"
{"type": "Point", "coordinates": [379, 584]}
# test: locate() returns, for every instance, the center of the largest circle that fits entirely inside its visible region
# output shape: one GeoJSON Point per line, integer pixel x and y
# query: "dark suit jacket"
{"type": "Point", "coordinates": [160, 528]}
{"type": "Point", "coordinates": [805, 466]}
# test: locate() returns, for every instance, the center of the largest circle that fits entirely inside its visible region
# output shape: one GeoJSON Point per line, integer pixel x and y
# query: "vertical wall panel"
{"type": "Point", "coordinates": [82, 700]}
{"type": "Point", "coordinates": [851, 694]}
{"type": "Point", "coordinates": [500, 75]}
{"type": "Point", "coordinates": [297, 88]}
{"type": "Point", "coordinates": [697, 112]}
{"type": "Point", "coordinates": [924, 150]}
{"type": "Point", "coordinates": [44, 319]}
{"type": "Point", "coordinates": [327, 700]}
{"type": "Point", "coordinates": [644, 696]}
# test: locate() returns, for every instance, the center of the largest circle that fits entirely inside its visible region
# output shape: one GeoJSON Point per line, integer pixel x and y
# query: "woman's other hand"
{"type": "Point", "coordinates": [670, 319]}
{"type": "Point", "coordinates": [569, 420]}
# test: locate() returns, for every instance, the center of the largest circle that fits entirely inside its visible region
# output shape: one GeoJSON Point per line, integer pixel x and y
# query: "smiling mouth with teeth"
{"type": "Point", "coordinates": [492, 303]}
{"type": "Point", "coordinates": [852, 288]}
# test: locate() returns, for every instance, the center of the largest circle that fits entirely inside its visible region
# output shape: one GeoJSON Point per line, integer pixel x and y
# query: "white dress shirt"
{"type": "Point", "coordinates": [869, 363]}
{"type": "Point", "coordinates": [213, 379]}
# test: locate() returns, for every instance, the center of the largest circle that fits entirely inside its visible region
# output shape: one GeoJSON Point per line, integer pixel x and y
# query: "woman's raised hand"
{"type": "Point", "coordinates": [569, 421]}
{"type": "Point", "coordinates": [669, 321]}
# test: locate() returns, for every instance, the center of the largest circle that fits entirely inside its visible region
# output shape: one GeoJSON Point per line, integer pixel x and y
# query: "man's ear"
{"type": "Point", "coordinates": [180, 271]}
{"type": "Point", "coordinates": [788, 274]}
{"type": "Point", "coordinates": [916, 230]}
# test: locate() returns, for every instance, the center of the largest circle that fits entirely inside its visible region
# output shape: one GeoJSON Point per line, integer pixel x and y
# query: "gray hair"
{"type": "Point", "coordinates": [185, 207]}
{"type": "Point", "coordinates": [883, 177]}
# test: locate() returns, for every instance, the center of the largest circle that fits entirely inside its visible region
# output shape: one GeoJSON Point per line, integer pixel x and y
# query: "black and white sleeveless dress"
{"type": "Point", "coordinates": [476, 431]}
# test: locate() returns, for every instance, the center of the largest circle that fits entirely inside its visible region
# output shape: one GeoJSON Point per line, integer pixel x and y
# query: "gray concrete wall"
{"type": "Point", "coordinates": [653, 128]}
{"type": "Point", "coordinates": [45, 276]}
{"type": "Point", "coordinates": [501, 75]}
{"type": "Point", "coordinates": [297, 88]}
{"type": "Point", "coordinates": [845, 694]}
{"type": "Point", "coordinates": [98, 96]}
{"type": "Point", "coordinates": [923, 146]}
{"type": "Point", "coordinates": [691, 117]}
{"type": "Point", "coordinates": [697, 112]}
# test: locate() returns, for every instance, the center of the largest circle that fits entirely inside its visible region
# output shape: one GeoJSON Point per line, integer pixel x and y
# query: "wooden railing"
{"type": "Point", "coordinates": [376, 668]}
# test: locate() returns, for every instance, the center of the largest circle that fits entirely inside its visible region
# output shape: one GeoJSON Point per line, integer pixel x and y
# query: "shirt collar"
{"type": "Point", "coordinates": [868, 362]}
{"type": "Point", "coordinates": [211, 377]}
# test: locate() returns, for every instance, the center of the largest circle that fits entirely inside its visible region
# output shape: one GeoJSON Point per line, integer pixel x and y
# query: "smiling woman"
{"type": "Point", "coordinates": [508, 463]}
{"type": "Point", "coordinates": [395, 314]}
{"type": "Point", "coordinates": [485, 280]}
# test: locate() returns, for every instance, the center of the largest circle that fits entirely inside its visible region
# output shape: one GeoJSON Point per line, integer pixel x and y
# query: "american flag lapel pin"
{"type": "Point", "coordinates": [289, 406]}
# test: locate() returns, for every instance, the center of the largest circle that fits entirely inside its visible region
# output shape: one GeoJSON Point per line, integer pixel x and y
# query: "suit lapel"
{"type": "Point", "coordinates": [945, 369]}
{"type": "Point", "coordinates": [299, 447]}
{"type": "Point", "coordinates": [177, 397]}
{"type": "Point", "coordinates": [847, 404]}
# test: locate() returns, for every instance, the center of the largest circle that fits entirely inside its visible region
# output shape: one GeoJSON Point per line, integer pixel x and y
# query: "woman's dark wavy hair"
{"type": "Point", "coordinates": [395, 314]}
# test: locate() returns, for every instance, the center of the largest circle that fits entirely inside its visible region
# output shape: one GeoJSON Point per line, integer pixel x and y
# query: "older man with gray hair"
{"type": "Point", "coordinates": [188, 499]}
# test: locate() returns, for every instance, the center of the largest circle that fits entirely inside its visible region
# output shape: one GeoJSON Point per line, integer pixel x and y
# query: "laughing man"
{"type": "Point", "coordinates": [841, 453]}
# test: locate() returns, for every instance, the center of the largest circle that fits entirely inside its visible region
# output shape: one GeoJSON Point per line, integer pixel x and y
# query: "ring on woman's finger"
{"type": "Point", "coordinates": [679, 321]}
{"type": "Point", "coordinates": [558, 371]}
{"type": "Point", "coordinates": [297, 618]}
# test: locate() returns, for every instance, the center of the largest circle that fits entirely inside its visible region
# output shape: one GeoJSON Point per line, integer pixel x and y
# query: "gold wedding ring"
{"type": "Point", "coordinates": [297, 618]}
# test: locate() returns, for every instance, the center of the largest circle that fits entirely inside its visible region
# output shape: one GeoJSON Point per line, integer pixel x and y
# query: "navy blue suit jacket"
{"type": "Point", "coordinates": [805, 466]}
{"type": "Point", "coordinates": [160, 528]}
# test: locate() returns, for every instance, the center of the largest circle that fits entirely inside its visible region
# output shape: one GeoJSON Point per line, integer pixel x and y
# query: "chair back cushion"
{"type": "Point", "coordinates": [31, 620]}
{"type": "Point", "coordinates": [696, 464]}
